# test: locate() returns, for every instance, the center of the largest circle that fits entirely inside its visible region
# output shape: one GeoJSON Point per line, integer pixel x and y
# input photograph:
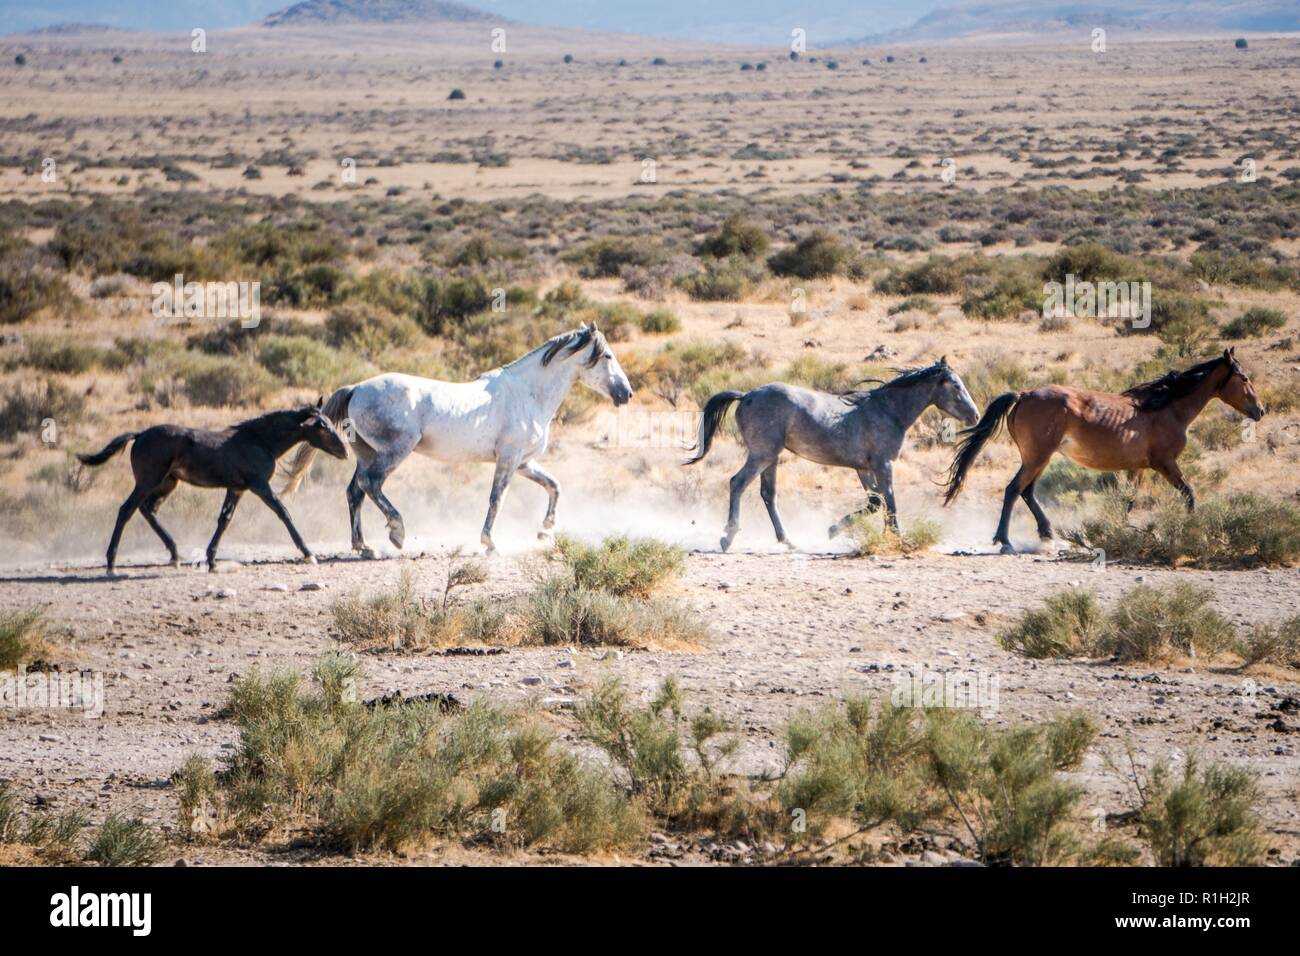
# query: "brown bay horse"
{"type": "Point", "coordinates": [239, 458]}
{"type": "Point", "coordinates": [1145, 427]}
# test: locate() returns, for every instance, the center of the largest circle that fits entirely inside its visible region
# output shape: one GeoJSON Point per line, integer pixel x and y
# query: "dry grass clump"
{"type": "Point", "coordinates": [24, 637]}
{"type": "Point", "coordinates": [871, 537]}
{"type": "Point", "coordinates": [1277, 644]}
{"type": "Point", "coordinates": [599, 595]}
{"type": "Point", "coordinates": [398, 777]}
{"type": "Point", "coordinates": [1146, 624]}
{"type": "Point", "coordinates": [1240, 530]}
{"type": "Point", "coordinates": [57, 837]}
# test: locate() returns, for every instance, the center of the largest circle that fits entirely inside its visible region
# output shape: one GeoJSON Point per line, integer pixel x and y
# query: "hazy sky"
{"type": "Point", "coordinates": [748, 21]}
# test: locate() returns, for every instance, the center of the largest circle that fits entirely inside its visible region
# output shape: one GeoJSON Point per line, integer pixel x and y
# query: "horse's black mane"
{"type": "Point", "coordinates": [1171, 386]}
{"type": "Point", "coordinates": [276, 420]}
{"type": "Point", "coordinates": [905, 378]}
{"type": "Point", "coordinates": [574, 341]}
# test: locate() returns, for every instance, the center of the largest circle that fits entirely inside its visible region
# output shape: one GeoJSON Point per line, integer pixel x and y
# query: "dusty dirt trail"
{"type": "Point", "coordinates": [790, 631]}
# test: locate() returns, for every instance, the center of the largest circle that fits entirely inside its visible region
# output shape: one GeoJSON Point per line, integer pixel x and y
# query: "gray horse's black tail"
{"type": "Point", "coordinates": [109, 450]}
{"type": "Point", "coordinates": [714, 409]}
{"type": "Point", "coordinates": [977, 437]}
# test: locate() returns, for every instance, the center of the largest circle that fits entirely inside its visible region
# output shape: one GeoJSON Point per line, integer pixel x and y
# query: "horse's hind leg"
{"type": "Point", "coordinates": [227, 512]}
{"type": "Point", "coordinates": [1044, 525]}
{"type": "Point", "coordinates": [149, 508]}
{"type": "Point", "coordinates": [870, 484]}
{"type": "Point", "coordinates": [739, 482]}
{"type": "Point", "coordinates": [506, 467]}
{"type": "Point", "coordinates": [373, 482]}
{"type": "Point", "coordinates": [767, 488]}
{"type": "Point", "coordinates": [133, 501]}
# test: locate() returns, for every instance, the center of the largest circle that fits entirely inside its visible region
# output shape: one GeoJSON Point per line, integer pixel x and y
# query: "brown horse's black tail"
{"type": "Point", "coordinates": [109, 450]}
{"type": "Point", "coordinates": [977, 437]}
{"type": "Point", "coordinates": [714, 409]}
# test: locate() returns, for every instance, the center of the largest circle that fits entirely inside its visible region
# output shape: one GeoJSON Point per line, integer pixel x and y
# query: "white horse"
{"type": "Point", "coordinates": [503, 416]}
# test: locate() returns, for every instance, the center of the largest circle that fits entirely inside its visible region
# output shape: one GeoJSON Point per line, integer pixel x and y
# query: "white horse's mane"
{"type": "Point", "coordinates": [573, 341]}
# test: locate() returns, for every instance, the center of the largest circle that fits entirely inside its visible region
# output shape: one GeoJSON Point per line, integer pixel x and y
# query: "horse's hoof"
{"type": "Point", "coordinates": [1006, 548]}
{"type": "Point", "coordinates": [309, 559]}
{"type": "Point", "coordinates": [367, 554]}
{"type": "Point", "coordinates": [545, 535]}
{"type": "Point", "coordinates": [725, 543]}
{"type": "Point", "coordinates": [790, 545]}
{"type": "Point", "coordinates": [397, 535]}
{"type": "Point", "coordinates": [833, 531]}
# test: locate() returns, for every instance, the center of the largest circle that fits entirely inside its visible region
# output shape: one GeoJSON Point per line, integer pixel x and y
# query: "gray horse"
{"type": "Point", "coordinates": [862, 430]}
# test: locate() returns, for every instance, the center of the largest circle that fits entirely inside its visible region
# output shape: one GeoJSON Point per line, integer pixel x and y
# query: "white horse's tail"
{"type": "Point", "coordinates": [336, 410]}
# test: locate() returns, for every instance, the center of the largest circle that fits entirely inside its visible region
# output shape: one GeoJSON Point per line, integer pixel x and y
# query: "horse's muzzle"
{"type": "Point", "coordinates": [620, 395]}
{"type": "Point", "coordinates": [1256, 412]}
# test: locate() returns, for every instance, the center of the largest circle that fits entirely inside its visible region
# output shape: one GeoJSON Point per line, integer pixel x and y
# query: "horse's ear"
{"type": "Point", "coordinates": [1227, 354]}
{"type": "Point", "coordinates": [320, 402]}
{"type": "Point", "coordinates": [943, 360]}
{"type": "Point", "coordinates": [594, 330]}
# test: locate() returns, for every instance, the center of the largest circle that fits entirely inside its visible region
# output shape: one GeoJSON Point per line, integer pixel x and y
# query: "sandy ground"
{"type": "Point", "coordinates": [790, 631]}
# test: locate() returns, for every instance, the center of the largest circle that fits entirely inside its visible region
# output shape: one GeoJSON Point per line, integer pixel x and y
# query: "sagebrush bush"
{"type": "Point", "coordinates": [621, 566]}
{"type": "Point", "coordinates": [818, 255]}
{"type": "Point", "coordinates": [721, 280]}
{"type": "Point", "coordinates": [369, 329]}
{"type": "Point", "coordinates": [125, 841]}
{"type": "Point", "coordinates": [1148, 624]}
{"type": "Point", "coordinates": [1272, 644]}
{"type": "Point", "coordinates": [736, 237]}
{"type": "Point", "coordinates": [1240, 530]}
{"type": "Point", "coordinates": [25, 407]}
{"type": "Point", "coordinates": [408, 774]}
{"type": "Point", "coordinates": [1069, 624]}
{"type": "Point", "coordinates": [1203, 817]}
{"type": "Point", "coordinates": [1254, 322]}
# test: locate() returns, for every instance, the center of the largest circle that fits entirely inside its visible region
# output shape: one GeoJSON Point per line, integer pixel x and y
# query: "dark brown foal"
{"type": "Point", "coordinates": [239, 458]}
{"type": "Point", "coordinates": [1145, 427]}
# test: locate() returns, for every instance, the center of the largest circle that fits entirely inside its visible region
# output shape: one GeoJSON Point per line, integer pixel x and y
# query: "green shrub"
{"type": "Point", "coordinates": [25, 407]}
{"type": "Point", "coordinates": [1203, 819]}
{"type": "Point", "coordinates": [1255, 322]}
{"type": "Point", "coordinates": [26, 291]}
{"type": "Point", "coordinates": [735, 237]}
{"type": "Point", "coordinates": [915, 303]}
{"type": "Point", "coordinates": [937, 275]}
{"type": "Point", "coordinates": [62, 356]}
{"type": "Point", "coordinates": [721, 280]}
{"type": "Point", "coordinates": [303, 361]}
{"type": "Point", "coordinates": [1272, 644]}
{"type": "Point", "coordinates": [816, 256]}
{"type": "Point", "coordinates": [660, 322]}
{"type": "Point", "coordinates": [1240, 530]}
{"type": "Point", "coordinates": [125, 842]}
{"type": "Point", "coordinates": [621, 566]}
{"type": "Point", "coordinates": [1069, 624]}
{"type": "Point", "coordinates": [407, 774]}
{"type": "Point", "coordinates": [608, 256]}
{"type": "Point", "coordinates": [1007, 298]}
{"type": "Point", "coordinates": [1146, 624]}
{"type": "Point", "coordinates": [219, 382]}
{"type": "Point", "coordinates": [442, 305]}
{"type": "Point", "coordinates": [369, 329]}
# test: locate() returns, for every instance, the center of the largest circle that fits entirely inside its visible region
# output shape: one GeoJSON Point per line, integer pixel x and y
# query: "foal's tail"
{"type": "Point", "coordinates": [336, 410]}
{"type": "Point", "coordinates": [109, 450]}
{"type": "Point", "coordinates": [714, 409]}
{"type": "Point", "coordinates": [977, 437]}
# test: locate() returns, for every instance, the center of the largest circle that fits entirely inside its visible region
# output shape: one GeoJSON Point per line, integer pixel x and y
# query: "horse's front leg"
{"type": "Point", "coordinates": [264, 492]}
{"type": "Point", "coordinates": [541, 476]}
{"type": "Point", "coordinates": [885, 482]}
{"type": "Point", "coordinates": [1174, 475]}
{"type": "Point", "coordinates": [507, 465]}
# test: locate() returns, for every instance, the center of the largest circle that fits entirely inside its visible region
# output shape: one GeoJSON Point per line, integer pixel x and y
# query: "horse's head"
{"type": "Point", "coordinates": [1236, 389]}
{"type": "Point", "coordinates": [952, 398]}
{"type": "Point", "coordinates": [598, 369]}
{"type": "Point", "coordinates": [319, 432]}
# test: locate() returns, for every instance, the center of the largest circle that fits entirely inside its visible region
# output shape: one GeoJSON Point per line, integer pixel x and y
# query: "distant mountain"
{"type": "Point", "coordinates": [1045, 18]}
{"type": "Point", "coordinates": [324, 12]}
